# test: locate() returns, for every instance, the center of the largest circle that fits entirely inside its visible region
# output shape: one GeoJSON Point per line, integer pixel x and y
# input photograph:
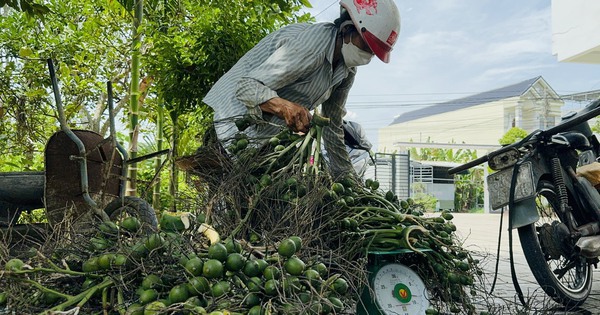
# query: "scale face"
{"type": "Point", "coordinates": [399, 290]}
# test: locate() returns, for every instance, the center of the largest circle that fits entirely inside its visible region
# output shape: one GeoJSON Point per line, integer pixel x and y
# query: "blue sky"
{"type": "Point", "coordinates": [449, 49]}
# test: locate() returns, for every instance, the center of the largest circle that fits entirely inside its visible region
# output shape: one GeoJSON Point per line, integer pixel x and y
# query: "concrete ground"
{"type": "Point", "coordinates": [480, 235]}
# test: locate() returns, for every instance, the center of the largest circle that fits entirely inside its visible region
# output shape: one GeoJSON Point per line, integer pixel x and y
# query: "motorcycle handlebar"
{"type": "Point", "coordinates": [468, 165]}
{"type": "Point", "coordinates": [485, 158]}
{"type": "Point", "coordinates": [586, 114]}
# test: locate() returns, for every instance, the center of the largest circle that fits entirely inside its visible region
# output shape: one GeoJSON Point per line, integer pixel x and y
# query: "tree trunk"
{"type": "Point", "coordinates": [134, 91]}
{"type": "Point", "coordinates": [157, 165]}
{"type": "Point", "coordinates": [173, 187]}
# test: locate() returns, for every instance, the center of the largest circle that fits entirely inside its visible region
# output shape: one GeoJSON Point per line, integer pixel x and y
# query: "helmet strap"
{"type": "Point", "coordinates": [346, 23]}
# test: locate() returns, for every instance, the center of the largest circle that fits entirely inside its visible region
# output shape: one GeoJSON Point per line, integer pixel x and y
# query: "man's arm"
{"type": "Point", "coordinates": [333, 135]}
{"type": "Point", "coordinates": [288, 63]}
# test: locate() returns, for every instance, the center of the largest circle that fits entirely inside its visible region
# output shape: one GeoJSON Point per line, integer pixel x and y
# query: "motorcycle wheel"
{"type": "Point", "coordinates": [133, 206]}
{"type": "Point", "coordinates": [573, 288]}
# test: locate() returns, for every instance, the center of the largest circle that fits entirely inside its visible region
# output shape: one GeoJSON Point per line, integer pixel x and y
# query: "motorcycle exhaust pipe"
{"type": "Point", "coordinates": [588, 246]}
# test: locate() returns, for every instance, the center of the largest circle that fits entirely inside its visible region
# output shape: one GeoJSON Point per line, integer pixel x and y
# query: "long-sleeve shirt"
{"type": "Point", "coordinates": [294, 63]}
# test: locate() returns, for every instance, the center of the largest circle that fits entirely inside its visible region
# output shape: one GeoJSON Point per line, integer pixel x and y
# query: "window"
{"type": "Point", "coordinates": [509, 121]}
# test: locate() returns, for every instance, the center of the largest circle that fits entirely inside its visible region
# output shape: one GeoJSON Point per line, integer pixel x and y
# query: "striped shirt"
{"type": "Point", "coordinates": [294, 63]}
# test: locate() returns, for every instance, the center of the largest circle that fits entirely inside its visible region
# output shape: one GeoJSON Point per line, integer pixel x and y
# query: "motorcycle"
{"type": "Point", "coordinates": [555, 209]}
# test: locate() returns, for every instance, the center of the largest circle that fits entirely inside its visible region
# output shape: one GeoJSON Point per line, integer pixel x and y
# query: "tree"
{"type": "Point", "coordinates": [469, 192]}
{"type": "Point", "coordinates": [468, 187]}
{"type": "Point", "coordinates": [84, 61]}
{"type": "Point", "coordinates": [29, 7]}
{"type": "Point", "coordinates": [513, 135]}
{"type": "Point", "coordinates": [193, 46]}
{"type": "Point", "coordinates": [438, 154]}
{"type": "Point", "coordinates": [187, 46]}
{"type": "Point", "coordinates": [134, 92]}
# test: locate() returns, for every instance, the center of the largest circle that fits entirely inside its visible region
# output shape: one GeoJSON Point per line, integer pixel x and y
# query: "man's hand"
{"type": "Point", "coordinates": [296, 116]}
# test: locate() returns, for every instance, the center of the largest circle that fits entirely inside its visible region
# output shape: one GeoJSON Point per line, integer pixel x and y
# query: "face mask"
{"type": "Point", "coordinates": [354, 56]}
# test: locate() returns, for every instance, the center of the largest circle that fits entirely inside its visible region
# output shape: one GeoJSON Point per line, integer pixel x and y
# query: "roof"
{"type": "Point", "coordinates": [473, 100]}
{"type": "Point", "coordinates": [588, 96]}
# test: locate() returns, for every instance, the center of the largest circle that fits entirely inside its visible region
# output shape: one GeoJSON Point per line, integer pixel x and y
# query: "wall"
{"type": "Point", "coordinates": [576, 30]}
{"type": "Point", "coordinates": [481, 124]}
{"type": "Point", "coordinates": [392, 171]}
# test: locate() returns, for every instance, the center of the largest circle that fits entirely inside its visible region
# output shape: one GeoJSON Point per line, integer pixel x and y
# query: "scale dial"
{"type": "Point", "coordinates": [399, 290]}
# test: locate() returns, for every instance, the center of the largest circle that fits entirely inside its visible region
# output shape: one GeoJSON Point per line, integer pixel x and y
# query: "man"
{"type": "Point", "coordinates": [301, 66]}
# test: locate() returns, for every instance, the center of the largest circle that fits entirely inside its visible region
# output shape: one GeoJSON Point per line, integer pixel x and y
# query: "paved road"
{"type": "Point", "coordinates": [480, 235]}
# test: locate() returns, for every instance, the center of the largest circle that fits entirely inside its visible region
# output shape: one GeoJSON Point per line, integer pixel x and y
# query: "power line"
{"type": "Point", "coordinates": [469, 125]}
{"type": "Point", "coordinates": [449, 103]}
{"type": "Point", "coordinates": [416, 94]}
{"type": "Point", "coordinates": [329, 6]}
{"type": "Point", "coordinates": [524, 119]}
{"type": "Point", "coordinates": [473, 93]}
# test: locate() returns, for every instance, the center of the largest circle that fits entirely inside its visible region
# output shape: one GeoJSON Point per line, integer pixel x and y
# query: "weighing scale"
{"type": "Point", "coordinates": [397, 289]}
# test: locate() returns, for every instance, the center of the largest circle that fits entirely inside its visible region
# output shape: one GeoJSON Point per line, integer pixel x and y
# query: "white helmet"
{"type": "Point", "coordinates": [377, 21]}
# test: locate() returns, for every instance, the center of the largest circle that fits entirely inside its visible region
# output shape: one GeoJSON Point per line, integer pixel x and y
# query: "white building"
{"type": "Point", "coordinates": [576, 31]}
{"type": "Point", "coordinates": [477, 120]}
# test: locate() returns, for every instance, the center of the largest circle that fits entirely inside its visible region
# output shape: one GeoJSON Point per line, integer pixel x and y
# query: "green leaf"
{"type": "Point", "coordinates": [25, 52]}
{"type": "Point", "coordinates": [306, 3]}
{"type": "Point", "coordinates": [127, 4]}
{"type": "Point", "coordinates": [39, 9]}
